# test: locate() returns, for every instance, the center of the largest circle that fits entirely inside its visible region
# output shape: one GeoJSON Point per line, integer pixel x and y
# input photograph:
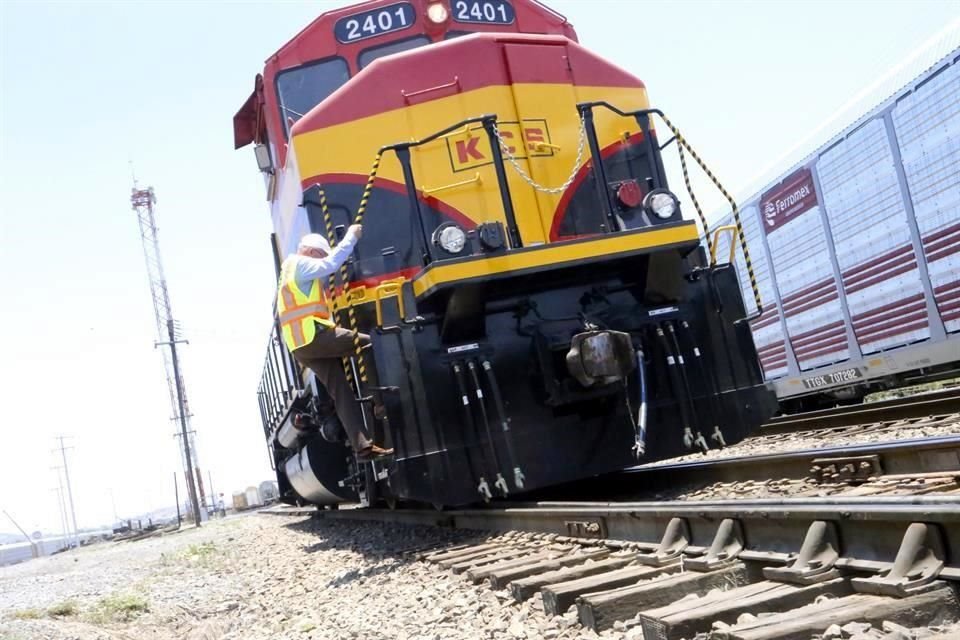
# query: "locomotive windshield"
{"type": "Point", "coordinates": [302, 88]}
{"type": "Point", "coordinates": [370, 55]}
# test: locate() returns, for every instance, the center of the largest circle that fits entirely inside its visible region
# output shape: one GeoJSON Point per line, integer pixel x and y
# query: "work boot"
{"type": "Point", "coordinates": [373, 452]}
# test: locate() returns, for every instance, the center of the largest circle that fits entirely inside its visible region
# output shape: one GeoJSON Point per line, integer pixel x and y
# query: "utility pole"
{"type": "Point", "coordinates": [213, 494]}
{"type": "Point", "coordinates": [66, 475]}
{"type": "Point", "coordinates": [176, 493]}
{"type": "Point", "coordinates": [62, 513]}
{"type": "Point", "coordinates": [184, 435]}
{"type": "Point", "coordinates": [113, 503]}
{"type": "Point", "coordinates": [61, 501]}
{"type": "Point", "coordinates": [142, 201]}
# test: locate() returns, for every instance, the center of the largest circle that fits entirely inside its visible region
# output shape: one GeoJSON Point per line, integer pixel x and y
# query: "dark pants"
{"type": "Point", "coordinates": [324, 356]}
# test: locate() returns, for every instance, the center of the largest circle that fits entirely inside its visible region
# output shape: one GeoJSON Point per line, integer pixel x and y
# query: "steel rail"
{"type": "Point", "coordinates": [929, 404]}
{"type": "Point", "coordinates": [901, 457]}
{"type": "Point", "coordinates": [871, 529]}
{"type": "Point", "coordinates": [916, 455]}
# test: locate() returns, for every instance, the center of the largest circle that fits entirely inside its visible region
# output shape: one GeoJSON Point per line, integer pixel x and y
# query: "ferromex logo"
{"type": "Point", "coordinates": [792, 197]}
{"type": "Point", "coordinates": [529, 138]}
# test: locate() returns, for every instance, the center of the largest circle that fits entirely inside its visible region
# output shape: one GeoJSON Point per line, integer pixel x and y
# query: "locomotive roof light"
{"type": "Point", "coordinates": [263, 158]}
{"type": "Point", "coordinates": [437, 13]}
{"type": "Point", "coordinates": [662, 203]}
{"type": "Point", "coordinates": [450, 237]}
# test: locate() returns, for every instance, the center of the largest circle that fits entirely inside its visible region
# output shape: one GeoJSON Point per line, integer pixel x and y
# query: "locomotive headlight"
{"type": "Point", "coordinates": [450, 238]}
{"type": "Point", "coordinates": [661, 203]}
{"type": "Point", "coordinates": [437, 13]}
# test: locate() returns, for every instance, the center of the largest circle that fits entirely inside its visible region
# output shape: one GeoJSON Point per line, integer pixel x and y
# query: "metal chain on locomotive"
{"type": "Point", "coordinates": [529, 180]}
{"type": "Point", "coordinates": [682, 143]}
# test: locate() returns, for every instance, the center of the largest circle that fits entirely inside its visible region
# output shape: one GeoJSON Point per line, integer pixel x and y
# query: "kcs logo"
{"type": "Point", "coordinates": [529, 138]}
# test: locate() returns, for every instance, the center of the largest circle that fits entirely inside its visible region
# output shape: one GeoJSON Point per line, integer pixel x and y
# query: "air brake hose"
{"type": "Point", "coordinates": [640, 442]}
{"type": "Point", "coordinates": [518, 477]}
{"type": "Point", "coordinates": [675, 383]}
{"type": "Point", "coordinates": [685, 379]}
{"type": "Point", "coordinates": [706, 374]}
{"type": "Point", "coordinates": [470, 427]}
{"type": "Point", "coordinates": [500, 483]}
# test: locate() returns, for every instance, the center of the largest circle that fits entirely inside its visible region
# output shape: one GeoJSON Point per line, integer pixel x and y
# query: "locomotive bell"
{"type": "Point", "coordinates": [600, 356]}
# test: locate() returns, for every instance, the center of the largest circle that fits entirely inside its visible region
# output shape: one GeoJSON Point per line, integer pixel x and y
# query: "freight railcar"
{"type": "Point", "coordinates": [857, 249]}
{"type": "Point", "coordinates": [539, 309]}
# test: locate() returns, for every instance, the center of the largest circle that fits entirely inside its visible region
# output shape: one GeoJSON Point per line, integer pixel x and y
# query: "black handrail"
{"type": "Point", "coordinates": [277, 390]}
{"type": "Point", "coordinates": [402, 149]}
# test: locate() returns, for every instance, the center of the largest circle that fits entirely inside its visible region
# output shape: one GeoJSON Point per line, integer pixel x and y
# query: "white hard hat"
{"type": "Point", "coordinates": [315, 241]}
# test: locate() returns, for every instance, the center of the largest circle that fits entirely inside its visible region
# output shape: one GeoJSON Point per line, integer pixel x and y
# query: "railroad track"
{"type": "Point", "coordinates": [748, 568]}
{"type": "Point", "coordinates": [865, 535]}
{"type": "Point", "coordinates": [928, 404]}
{"type": "Point", "coordinates": [741, 569]}
{"type": "Point", "coordinates": [912, 466]}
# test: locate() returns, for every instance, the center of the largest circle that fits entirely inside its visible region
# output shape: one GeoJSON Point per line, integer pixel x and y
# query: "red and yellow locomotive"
{"type": "Point", "coordinates": [539, 309]}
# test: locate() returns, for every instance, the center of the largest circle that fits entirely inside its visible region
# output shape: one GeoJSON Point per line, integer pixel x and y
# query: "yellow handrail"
{"type": "Point", "coordinates": [429, 190]}
{"type": "Point", "coordinates": [540, 146]}
{"type": "Point", "coordinates": [385, 290]}
{"type": "Point", "coordinates": [732, 228]}
{"type": "Point", "coordinates": [465, 129]}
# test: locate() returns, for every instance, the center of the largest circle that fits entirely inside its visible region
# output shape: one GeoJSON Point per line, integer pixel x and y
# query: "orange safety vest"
{"type": "Point", "coordinates": [298, 312]}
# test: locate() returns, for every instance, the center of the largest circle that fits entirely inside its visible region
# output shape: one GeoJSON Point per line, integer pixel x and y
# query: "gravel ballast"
{"type": "Point", "coordinates": [260, 576]}
{"type": "Point", "coordinates": [265, 576]}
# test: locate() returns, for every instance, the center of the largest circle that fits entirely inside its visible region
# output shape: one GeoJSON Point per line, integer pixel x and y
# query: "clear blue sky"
{"type": "Point", "coordinates": [85, 88]}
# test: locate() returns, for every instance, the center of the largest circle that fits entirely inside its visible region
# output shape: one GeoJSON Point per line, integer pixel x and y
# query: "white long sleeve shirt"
{"type": "Point", "coordinates": [309, 269]}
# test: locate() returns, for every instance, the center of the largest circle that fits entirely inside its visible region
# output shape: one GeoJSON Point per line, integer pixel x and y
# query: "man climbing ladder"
{"type": "Point", "coordinates": [314, 338]}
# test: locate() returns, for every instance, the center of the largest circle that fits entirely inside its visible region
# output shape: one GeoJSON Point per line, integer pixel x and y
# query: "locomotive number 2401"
{"type": "Point", "coordinates": [488, 11]}
{"type": "Point", "coordinates": [374, 23]}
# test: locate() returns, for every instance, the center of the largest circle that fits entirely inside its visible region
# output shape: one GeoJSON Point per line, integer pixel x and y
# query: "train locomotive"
{"type": "Point", "coordinates": [539, 309]}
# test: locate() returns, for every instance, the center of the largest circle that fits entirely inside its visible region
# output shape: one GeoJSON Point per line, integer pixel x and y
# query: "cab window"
{"type": "Point", "coordinates": [368, 56]}
{"type": "Point", "coordinates": [302, 88]}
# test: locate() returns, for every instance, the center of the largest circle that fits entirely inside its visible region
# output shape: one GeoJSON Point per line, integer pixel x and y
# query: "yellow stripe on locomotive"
{"type": "Point", "coordinates": [538, 122]}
